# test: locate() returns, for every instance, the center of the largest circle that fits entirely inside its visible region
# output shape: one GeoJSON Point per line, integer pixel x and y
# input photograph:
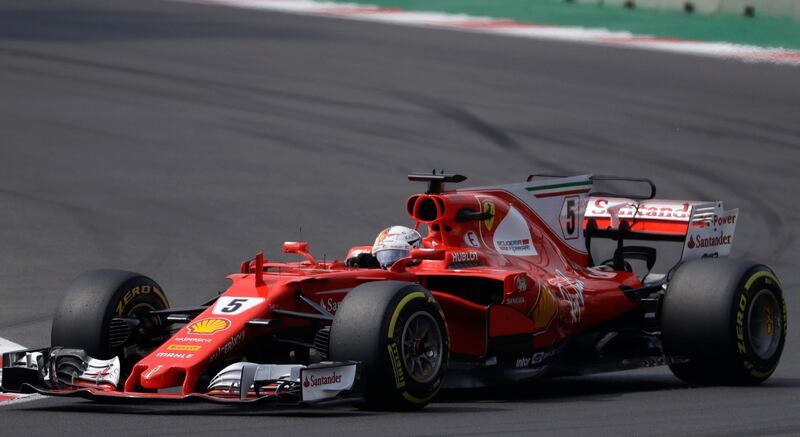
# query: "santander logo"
{"type": "Point", "coordinates": [315, 381]}
{"type": "Point", "coordinates": [712, 241]}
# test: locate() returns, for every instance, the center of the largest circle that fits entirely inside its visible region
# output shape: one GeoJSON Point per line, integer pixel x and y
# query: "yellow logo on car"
{"type": "Point", "coordinates": [183, 347]}
{"type": "Point", "coordinates": [488, 207]}
{"type": "Point", "coordinates": [209, 326]}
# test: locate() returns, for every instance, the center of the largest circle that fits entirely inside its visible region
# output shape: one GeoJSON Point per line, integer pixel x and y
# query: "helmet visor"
{"type": "Point", "coordinates": [387, 257]}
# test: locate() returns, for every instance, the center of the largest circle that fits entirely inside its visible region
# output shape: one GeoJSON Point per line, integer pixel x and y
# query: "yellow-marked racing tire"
{"type": "Point", "coordinates": [724, 321]}
{"type": "Point", "coordinates": [91, 312]}
{"type": "Point", "coordinates": [397, 330]}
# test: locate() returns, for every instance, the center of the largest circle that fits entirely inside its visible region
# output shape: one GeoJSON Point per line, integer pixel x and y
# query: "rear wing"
{"type": "Point", "coordinates": [706, 229]}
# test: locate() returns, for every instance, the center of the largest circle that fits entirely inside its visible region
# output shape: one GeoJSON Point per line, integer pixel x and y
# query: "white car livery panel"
{"type": "Point", "coordinates": [559, 202]}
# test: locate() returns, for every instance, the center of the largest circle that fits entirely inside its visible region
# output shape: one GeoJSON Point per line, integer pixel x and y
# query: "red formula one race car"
{"type": "Point", "coordinates": [506, 286]}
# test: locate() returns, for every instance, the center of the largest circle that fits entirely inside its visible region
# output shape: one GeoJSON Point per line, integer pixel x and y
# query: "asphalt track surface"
{"type": "Point", "coordinates": [177, 140]}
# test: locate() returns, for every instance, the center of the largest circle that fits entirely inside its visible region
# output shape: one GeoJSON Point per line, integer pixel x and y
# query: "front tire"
{"type": "Point", "coordinates": [397, 330]}
{"type": "Point", "coordinates": [727, 319]}
{"type": "Point", "coordinates": [83, 318]}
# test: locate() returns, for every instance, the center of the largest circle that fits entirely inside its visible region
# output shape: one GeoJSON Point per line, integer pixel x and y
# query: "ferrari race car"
{"type": "Point", "coordinates": [506, 286]}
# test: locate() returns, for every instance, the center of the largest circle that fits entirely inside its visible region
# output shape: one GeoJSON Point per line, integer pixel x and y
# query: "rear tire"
{"type": "Point", "coordinates": [83, 317]}
{"type": "Point", "coordinates": [397, 331]}
{"type": "Point", "coordinates": [727, 318]}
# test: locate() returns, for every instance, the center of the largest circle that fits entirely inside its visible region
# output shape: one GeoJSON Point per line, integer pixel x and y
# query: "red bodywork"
{"type": "Point", "coordinates": [485, 292]}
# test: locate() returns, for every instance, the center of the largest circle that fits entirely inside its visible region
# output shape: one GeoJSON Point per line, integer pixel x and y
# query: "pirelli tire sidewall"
{"type": "Point", "coordinates": [369, 326]}
{"type": "Point", "coordinates": [759, 279]}
{"type": "Point", "coordinates": [706, 318]}
{"type": "Point", "coordinates": [416, 300]}
{"type": "Point", "coordinates": [83, 316]}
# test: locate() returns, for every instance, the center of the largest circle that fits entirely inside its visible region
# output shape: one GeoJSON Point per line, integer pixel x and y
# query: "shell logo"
{"type": "Point", "coordinates": [209, 326]}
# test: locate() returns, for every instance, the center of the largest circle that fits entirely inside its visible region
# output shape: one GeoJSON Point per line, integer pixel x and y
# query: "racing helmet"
{"type": "Point", "coordinates": [394, 243]}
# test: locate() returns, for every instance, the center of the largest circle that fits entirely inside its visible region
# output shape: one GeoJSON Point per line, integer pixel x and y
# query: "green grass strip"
{"type": "Point", "coordinates": [759, 31]}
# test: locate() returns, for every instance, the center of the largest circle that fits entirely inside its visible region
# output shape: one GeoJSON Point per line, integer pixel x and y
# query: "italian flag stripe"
{"type": "Point", "coordinates": [561, 193]}
{"type": "Point", "coordinates": [560, 189]}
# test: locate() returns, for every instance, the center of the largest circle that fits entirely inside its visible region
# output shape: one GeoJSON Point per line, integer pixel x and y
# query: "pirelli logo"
{"type": "Point", "coordinates": [184, 347]}
{"type": "Point", "coordinates": [397, 366]}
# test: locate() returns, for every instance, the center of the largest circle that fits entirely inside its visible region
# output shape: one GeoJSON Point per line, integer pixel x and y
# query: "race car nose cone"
{"type": "Point", "coordinates": [161, 376]}
{"type": "Point", "coordinates": [151, 373]}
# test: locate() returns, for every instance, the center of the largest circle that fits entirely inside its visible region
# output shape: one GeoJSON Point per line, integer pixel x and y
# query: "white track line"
{"type": "Point", "coordinates": [21, 399]}
{"type": "Point", "coordinates": [517, 29]}
{"type": "Point", "coordinates": [8, 346]}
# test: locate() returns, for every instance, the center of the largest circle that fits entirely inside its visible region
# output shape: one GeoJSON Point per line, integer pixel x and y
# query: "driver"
{"type": "Point", "coordinates": [392, 244]}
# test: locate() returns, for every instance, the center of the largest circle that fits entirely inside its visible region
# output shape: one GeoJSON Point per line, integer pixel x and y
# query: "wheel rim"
{"type": "Point", "coordinates": [765, 324]}
{"type": "Point", "coordinates": [422, 347]}
{"type": "Point", "coordinates": [149, 325]}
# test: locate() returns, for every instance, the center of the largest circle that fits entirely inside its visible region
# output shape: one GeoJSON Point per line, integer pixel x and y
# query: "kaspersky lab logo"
{"type": "Point", "coordinates": [315, 381]}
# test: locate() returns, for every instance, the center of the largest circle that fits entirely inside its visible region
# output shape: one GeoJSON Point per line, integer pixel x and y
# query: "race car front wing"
{"type": "Point", "coordinates": [71, 372]}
